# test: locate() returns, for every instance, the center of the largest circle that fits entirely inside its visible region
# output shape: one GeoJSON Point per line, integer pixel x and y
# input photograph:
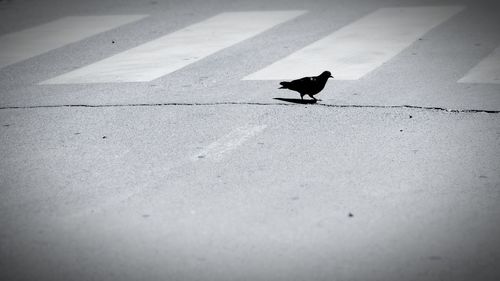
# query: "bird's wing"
{"type": "Point", "coordinates": [300, 84]}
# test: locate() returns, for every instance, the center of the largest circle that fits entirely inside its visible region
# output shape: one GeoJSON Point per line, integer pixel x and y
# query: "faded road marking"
{"type": "Point", "coordinates": [216, 150]}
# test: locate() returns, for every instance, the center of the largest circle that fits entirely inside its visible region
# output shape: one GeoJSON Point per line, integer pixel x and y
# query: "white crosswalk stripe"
{"type": "Point", "coordinates": [176, 50]}
{"type": "Point", "coordinates": [360, 47]}
{"type": "Point", "coordinates": [22, 45]}
{"type": "Point", "coordinates": [486, 71]}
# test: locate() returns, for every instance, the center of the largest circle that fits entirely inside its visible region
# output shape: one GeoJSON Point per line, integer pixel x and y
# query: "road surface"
{"type": "Point", "coordinates": [147, 140]}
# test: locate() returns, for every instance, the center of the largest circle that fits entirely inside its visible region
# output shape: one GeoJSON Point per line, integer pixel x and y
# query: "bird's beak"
{"type": "Point", "coordinates": [331, 76]}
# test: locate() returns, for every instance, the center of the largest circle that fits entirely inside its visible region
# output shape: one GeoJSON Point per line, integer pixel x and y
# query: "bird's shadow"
{"type": "Point", "coordinates": [299, 101]}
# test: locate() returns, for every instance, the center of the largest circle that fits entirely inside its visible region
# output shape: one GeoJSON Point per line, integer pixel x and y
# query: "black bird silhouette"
{"type": "Point", "coordinates": [308, 85]}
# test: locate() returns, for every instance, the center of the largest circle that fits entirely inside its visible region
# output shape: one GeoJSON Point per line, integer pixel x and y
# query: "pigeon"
{"type": "Point", "coordinates": [308, 85]}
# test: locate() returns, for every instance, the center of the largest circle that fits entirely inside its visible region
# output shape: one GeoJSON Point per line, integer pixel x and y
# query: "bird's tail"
{"type": "Point", "coordinates": [284, 85]}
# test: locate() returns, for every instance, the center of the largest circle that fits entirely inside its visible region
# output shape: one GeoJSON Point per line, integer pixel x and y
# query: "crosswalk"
{"type": "Point", "coordinates": [360, 47]}
{"type": "Point", "coordinates": [174, 51]}
{"type": "Point", "coordinates": [19, 46]}
{"type": "Point", "coordinates": [352, 51]}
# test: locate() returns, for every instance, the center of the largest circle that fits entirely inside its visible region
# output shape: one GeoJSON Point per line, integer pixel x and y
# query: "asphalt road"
{"type": "Point", "coordinates": [203, 174]}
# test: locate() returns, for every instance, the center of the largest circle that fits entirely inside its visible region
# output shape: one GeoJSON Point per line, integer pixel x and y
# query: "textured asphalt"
{"type": "Point", "coordinates": [392, 177]}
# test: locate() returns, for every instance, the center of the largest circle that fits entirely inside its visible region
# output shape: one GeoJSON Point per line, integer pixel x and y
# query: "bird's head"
{"type": "Point", "coordinates": [326, 74]}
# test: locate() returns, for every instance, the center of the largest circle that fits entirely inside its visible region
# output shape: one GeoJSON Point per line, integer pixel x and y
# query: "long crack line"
{"type": "Point", "coordinates": [255, 104]}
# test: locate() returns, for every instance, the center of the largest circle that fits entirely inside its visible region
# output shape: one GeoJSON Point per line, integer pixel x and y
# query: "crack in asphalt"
{"type": "Point", "coordinates": [256, 104]}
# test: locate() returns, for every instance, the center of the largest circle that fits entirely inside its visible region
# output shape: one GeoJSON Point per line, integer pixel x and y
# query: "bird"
{"type": "Point", "coordinates": [308, 85]}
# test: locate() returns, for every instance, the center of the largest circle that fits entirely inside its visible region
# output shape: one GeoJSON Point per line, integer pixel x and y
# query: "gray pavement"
{"type": "Point", "coordinates": [200, 175]}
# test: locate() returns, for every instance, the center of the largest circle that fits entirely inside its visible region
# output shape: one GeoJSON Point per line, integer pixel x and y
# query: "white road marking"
{"type": "Point", "coordinates": [216, 150]}
{"type": "Point", "coordinates": [22, 45]}
{"type": "Point", "coordinates": [360, 47]}
{"type": "Point", "coordinates": [486, 71]}
{"type": "Point", "coordinates": [176, 50]}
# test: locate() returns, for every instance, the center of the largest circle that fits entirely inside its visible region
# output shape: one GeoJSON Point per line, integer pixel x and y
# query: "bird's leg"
{"type": "Point", "coordinates": [301, 96]}
{"type": "Point", "coordinates": [313, 98]}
